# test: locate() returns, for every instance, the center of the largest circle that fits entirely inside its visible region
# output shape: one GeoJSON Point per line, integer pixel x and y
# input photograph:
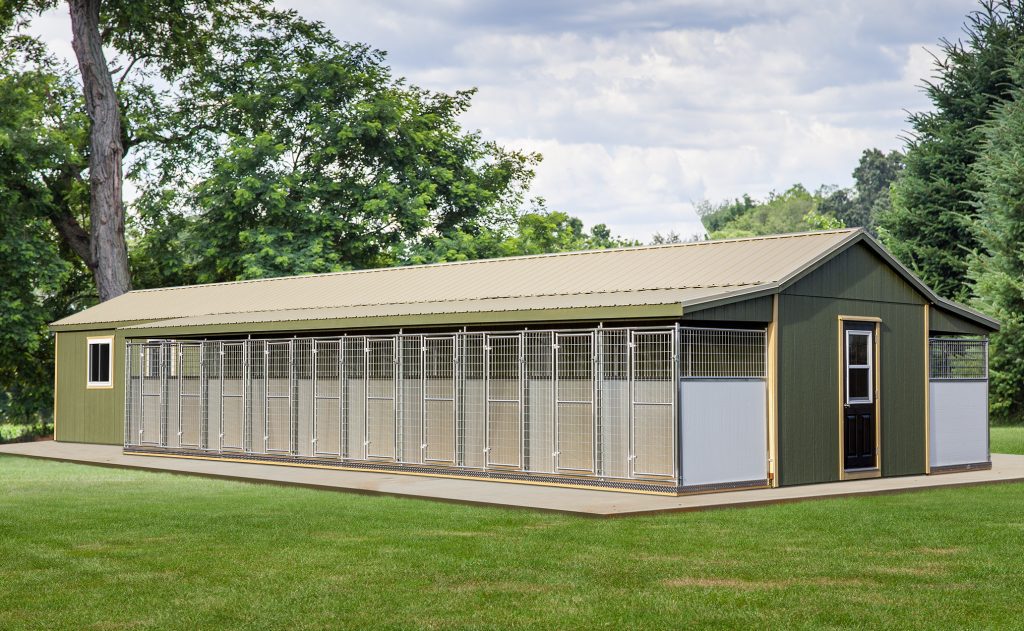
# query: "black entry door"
{"type": "Point", "coordinates": [859, 395]}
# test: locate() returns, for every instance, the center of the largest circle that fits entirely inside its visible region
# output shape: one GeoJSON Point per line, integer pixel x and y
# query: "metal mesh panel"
{"type": "Point", "coordinates": [380, 398]}
{"type": "Point", "coordinates": [410, 410]}
{"type": "Point", "coordinates": [278, 400]}
{"type": "Point", "coordinates": [504, 405]}
{"type": "Point", "coordinates": [614, 409]}
{"type": "Point", "coordinates": [302, 397]}
{"type": "Point", "coordinates": [722, 353]}
{"type": "Point", "coordinates": [255, 393]}
{"type": "Point", "coordinates": [210, 384]}
{"type": "Point", "coordinates": [471, 401]}
{"type": "Point", "coordinates": [327, 398]}
{"type": "Point", "coordinates": [169, 422]}
{"type": "Point", "coordinates": [149, 429]}
{"type": "Point", "coordinates": [133, 395]}
{"type": "Point", "coordinates": [585, 402]}
{"type": "Point", "coordinates": [654, 392]}
{"type": "Point", "coordinates": [190, 420]}
{"type": "Point", "coordinates": [574, 402]}
{"type": "Point", "coordinates": [353, 394]}
{"type": "Point", "coordinates": [539, 402]}
{"type": "Point", "coordinates": [958, 359]}
{"type": "Point", "coordinates": [439, 398]}
{"type": "Point", "coordinates": [232, 399]}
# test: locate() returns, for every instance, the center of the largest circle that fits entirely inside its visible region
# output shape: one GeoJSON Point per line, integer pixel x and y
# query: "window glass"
{"type": "Point", "coordinates": [858, 350]}
{"type": "Point", "coordinates": [99, 363]}
{"type": "Point", "coordinates": [858, 384]}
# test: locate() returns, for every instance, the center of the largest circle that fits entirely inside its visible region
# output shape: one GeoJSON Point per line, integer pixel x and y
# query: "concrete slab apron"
{"type": "Point", "coordinates": [1005, 468]}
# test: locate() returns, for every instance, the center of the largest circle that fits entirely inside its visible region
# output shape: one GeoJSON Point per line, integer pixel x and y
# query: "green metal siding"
{"type": "Point", "coordinates": [754, 310]}
{"type": "Point", "coordinates": [945, 322]}
{"type": "Point", "coordinates": [808, 364]}
{"type": "Point", "coordinates": [88, 415]}
{"type": "Point", "coordinates": [857, 274]}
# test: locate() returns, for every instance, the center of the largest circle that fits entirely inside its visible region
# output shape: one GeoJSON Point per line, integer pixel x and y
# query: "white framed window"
{"type": "Point", "coordinates": [99, 362]}
{"type": "Point", "coordinates": [860, 368]}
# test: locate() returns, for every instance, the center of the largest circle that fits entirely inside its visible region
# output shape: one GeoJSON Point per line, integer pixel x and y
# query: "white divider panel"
{"type": "Point", "coordinates": [724, 431]}
{"type": "Point", "coordinates": [959, 422]}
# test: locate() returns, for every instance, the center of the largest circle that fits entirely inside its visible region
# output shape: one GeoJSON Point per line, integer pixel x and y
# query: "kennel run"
{"type": "Point", "coordinates": [769, 361]}
{"type": "Point", "coordinates": [609, 406]}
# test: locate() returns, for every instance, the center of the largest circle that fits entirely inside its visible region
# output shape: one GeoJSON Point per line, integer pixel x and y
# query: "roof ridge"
{"type": "Point", "coordinates": [707, 242]}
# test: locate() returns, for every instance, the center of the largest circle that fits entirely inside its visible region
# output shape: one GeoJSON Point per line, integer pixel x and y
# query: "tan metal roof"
{"type": "Point", "coordinates": [683, 274]}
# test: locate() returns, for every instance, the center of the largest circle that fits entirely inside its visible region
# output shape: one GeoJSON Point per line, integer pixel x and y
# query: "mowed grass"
{"type": "Point", "coordinates": [1006, 440]}
{"type": "Point", "coordinates": [89, 547]}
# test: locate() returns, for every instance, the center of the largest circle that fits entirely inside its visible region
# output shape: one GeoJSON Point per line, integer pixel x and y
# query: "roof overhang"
{"type": "Point", "coordinates": [198, 327]}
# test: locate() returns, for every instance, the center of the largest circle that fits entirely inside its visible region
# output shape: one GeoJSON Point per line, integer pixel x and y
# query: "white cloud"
{"type": "Point", "coordinates": [642, 109]}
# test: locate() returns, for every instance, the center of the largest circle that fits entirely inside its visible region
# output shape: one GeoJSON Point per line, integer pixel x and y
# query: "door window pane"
{"type": "Point", "coordinates": [858, 349]}
{"type": "Point", "coordinates": [858, 385]}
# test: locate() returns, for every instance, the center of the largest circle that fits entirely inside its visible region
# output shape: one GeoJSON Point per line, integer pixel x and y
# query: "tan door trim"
{"type": "Point", "coordinates": [876, 472]}
{"type": "Point", "coordinates": [927, 394]}
{"type": "Point", "coordinates": [773, 392]}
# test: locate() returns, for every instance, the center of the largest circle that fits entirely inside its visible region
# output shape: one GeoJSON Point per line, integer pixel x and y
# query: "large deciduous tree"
{"type": "Point", "coordinates": [259, 144]}
{"type": "Point", "coordinates": [929, 227]}
{"type": "Point", "coordinates": [308, 156]}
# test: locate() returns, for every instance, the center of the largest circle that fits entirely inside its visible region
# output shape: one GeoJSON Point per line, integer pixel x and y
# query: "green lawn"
{"type": "Point", "coordinates": [88, 547]}
{"type": "Point", "coordinates": [1007, 440]}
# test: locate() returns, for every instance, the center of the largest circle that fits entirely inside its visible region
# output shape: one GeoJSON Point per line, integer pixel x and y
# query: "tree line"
{"type": "Point", "coordinates": [256, 144]}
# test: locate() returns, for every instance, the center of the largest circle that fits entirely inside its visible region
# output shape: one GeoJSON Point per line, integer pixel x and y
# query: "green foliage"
{"type": "Point", "coordinates": [42, 132]}
{"type": "Point", "coordinates": [716, 216]}
{"type": "Point", "coordinates": [539, 231]}
{"type": "Point", "coordinates": [873, 179]}
{"type": "Point", "coordinates": [796, 210]}
{"type": "Point", "coordinates": [870, 196]}
{"type": "Point", "coordinates": [19, 433]}
{"type": "Point", "coordinates": [311, 157]}
{"type": "Point", "coordinates": [929, 227]}
{"type": "Point", "coordinates": [998, 271]}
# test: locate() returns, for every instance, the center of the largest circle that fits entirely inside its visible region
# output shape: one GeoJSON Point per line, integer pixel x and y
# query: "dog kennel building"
{"type": "Point", "coordinates": [767, 361]}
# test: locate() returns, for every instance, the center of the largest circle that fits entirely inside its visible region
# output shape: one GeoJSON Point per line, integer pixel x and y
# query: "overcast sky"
{"type": "Point", "coordinates": [643, 108]}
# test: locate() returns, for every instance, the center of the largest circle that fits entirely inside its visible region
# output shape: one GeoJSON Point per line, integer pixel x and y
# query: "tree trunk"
{"type": "Point", "coordinates": [109, 250]}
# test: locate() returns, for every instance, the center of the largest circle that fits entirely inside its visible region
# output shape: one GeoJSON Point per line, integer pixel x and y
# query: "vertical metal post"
{"type": "Point", "coordinates": [631, 412]}
{"type": "Point", "coordinates": [266, 396]}
{"type": "Point", "coordinates": [366, 397]}
{"type": "Point", "coordinates": [423, 399]}
{"type": "Point", "coordinates": [204, 399]}
{"type": "Point", "coordinates": [676, 416]}
{"type": "Point", "coordinates": [556, 453]}
{"type": "Point", "coordinates": [596, 343]}
{"type": "Point", "coordinates": [486, 397]}
{"type": "Point", "coordinates": [293, 413]}
{"type": "Point", "coordinates": [398, 385]}
{"type": "Point", "coordinates": [342, 400]}
{"type": "Point", "coordinates": [458, 402]}
{"type": "Point", "coordinates": [246, 398]}
{"type": "Point", "coordinates": [220, 375]}
{"type": "Point", "coordinates": [127, 391]}
{"type": "Point", "coordinates": [181, 382]}
{"type": "Point", "coordinates": [312, 396]}
{"type": "Point", "coordinates": [524, 433]}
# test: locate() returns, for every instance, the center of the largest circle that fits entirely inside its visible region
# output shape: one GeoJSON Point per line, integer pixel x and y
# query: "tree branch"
{"type": "Point", "coordinates": [74, 235]}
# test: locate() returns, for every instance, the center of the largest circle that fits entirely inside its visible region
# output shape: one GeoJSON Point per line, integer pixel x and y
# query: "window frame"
{"type": "Point", "coordinates": [870, 366]}
{"type": "Point", "coordinates": [108, 341]}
